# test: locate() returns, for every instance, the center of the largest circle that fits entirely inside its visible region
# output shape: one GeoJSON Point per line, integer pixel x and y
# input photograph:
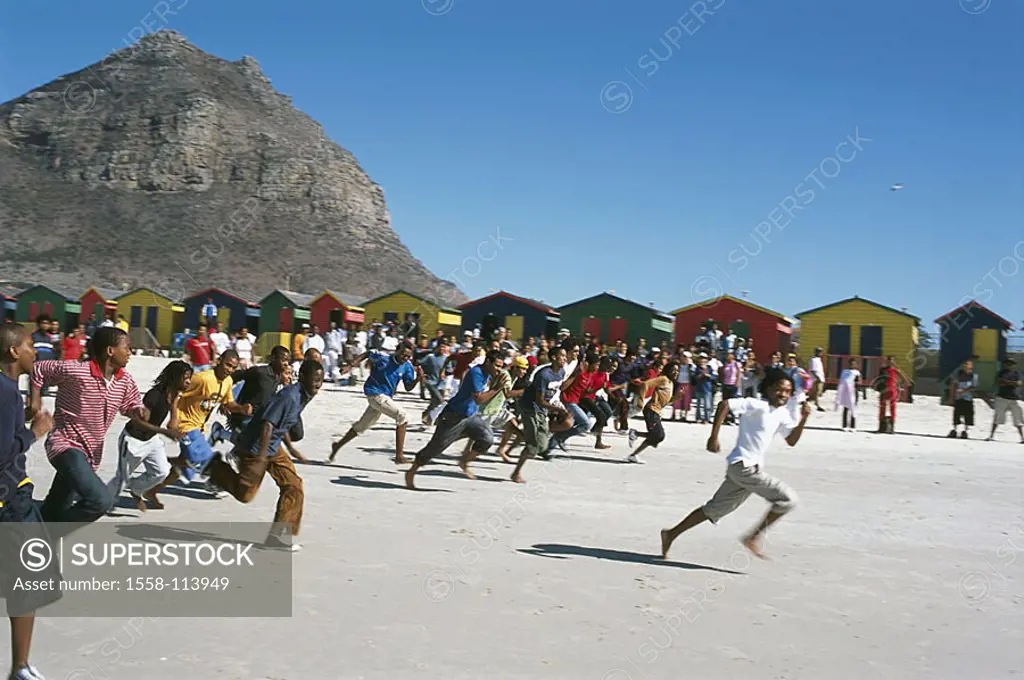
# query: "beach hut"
{"type": "Point", "coordinates": [973, 330]}
{"type": "Point", "coordinates": [523, 317]}
{"type": "Point", "coordinates": [770, 330]}
{"type": "Point", "coordinates": [146, 309]}
{"type": "Point", "coordinates": [402, 307]}
{"type": "Point", "coordinates": [8, 302]}
{"type": "Point", "coordinates": [611, 318]}
{"type": "Point", "coordinates": [340, 308]}
{"type": "Point", "coordinates": [862, 329]}
{"type": "Point", "coordinates": [234, 312]}
{"type": "Point", "coordinates": [56, 303]}
{"type": "Point", "coordinates": [284, 311]}
{"type": "Point", "coordinates": [99, 303]}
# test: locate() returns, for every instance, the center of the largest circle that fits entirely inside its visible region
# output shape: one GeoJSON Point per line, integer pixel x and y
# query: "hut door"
{"type": "Point", "coordinates": [135, 316]}
{"type": "Point", "coordinates": [151, 313]}
{"type": "Point", "coordinates": [33, 311]}
{"type": "Point", "coordinates": [514, 325]}
{"type": "Point", "coordinates": [48, 309]}
{"type": "Point", "coordinates": [838, 340]}
{"type": "Point", "coordinates": [871, 341]}
{"type": "Point", "coordinates": [592, 325]}
{"type": "Point", "coordinates": [986, 344]}
{"type": "Point", "coordinates": [224, 318]}
{"type": "Point", "coordinates": [617, 329]}
{"type": "Point", "coordinates": [740, 328]}
{"type": "Point", "coordinates": [284, 320]}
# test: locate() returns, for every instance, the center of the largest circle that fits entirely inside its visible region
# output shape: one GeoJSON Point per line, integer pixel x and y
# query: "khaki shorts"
{"type": "Point", "coordinates": [742, 481]}
{"type": "Point", "coordinates": [376, 406]}
{"type": "Point", "coordinates": [1004, 406]}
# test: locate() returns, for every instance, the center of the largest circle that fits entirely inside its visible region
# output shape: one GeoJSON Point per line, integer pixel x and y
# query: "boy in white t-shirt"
{"type": "Point", "coordinates": [745, 474]}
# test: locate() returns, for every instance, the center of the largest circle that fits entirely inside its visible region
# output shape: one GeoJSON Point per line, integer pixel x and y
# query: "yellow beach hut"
{"type": "Point", "coordinates": [146, 309]}
{"type": "Point", "coordinates": [401, 307]}
{"type": "Point", "coordinates": [862, 329]}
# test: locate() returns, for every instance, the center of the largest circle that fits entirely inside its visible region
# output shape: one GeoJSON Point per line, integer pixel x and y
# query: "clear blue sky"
{"type": "Point", "coordinates": [494, 114]}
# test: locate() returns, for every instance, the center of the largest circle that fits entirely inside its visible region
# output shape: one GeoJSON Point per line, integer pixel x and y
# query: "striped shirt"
{"type": "Point", "coordinates": [86, 405]}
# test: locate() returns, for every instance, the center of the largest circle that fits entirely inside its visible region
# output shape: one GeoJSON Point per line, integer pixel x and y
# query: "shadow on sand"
{"type": "Point", "coordinates": [561, 551]}
{"type": "Point", "coordinates": [365, 483]}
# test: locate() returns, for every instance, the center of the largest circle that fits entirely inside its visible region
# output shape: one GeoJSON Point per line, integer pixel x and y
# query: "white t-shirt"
{"type": "Point", "coordinates": [817, 368]}
{"type": "Point", "coordinates": [244, 348]}
{"type": "Point", "coordinates": [390, 343]}
{"type": "Point", "coordinates": [314, 342]}
{"type": "Point", "coordinates": [758, 426]}
{"type": "Point", "coordinates": [361, 341]}
{"type": "Point", "coordinates": [849, 376]}
{"type": "Point", "coordinates": [221, 341]}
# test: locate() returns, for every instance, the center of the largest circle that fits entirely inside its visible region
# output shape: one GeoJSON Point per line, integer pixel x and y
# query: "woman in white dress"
{"type": "Point", "coordinates": [846, 395]}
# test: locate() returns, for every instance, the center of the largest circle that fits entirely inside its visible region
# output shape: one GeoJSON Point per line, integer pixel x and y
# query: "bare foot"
{"type": "Point", "coordinates": [153, 500]}
{"type": "Point", "coordinates": [466, 469]}
{"type": "Point", "coordinates": [334, 451]}
{"type": "Point", "coordinates": [400, 460]}
{"type": "Point", "coordinates": [410, 476]}
{"type": "Point", "coordinates": [518, 479]}
{"type": "Point", "coordinates": [504, 457]}
{"type": "Point", "coordinates": [666, 543]}
{"type": "Point", "coordinates": [753, 544]}
{"type": "Point", "coordinates": [140, 503]}
{"type": "Point", "coordinates": [602, 446]}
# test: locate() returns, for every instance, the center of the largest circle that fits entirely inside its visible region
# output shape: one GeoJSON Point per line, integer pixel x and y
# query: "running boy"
{"type": "Point", "coordinates": [16, 505]}
{"type": "Point", "coordinates": [745, 474]}
{"type": "Point", "coordinates": [260, 451]}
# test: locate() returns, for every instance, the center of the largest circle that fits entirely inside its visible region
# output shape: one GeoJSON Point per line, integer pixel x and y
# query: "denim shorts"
{"type": "Point", "coordinates": [197, 452]}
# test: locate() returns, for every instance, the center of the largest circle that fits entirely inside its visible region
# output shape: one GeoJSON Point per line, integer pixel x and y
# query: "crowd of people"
{"type": "Point", "coordinates": [538, 394]}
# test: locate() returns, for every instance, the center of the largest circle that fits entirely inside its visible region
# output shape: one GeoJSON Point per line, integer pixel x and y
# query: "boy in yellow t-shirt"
{"type": "Point", "coordinates": [209, 390]}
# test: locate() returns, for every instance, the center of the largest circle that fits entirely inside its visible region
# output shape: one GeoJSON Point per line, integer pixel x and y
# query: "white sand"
{"type": "Point", "coordinates": [902, 562]}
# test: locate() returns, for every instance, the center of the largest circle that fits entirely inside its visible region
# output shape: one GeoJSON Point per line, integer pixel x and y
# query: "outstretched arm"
{"type": "Point", "coordinates": [794, 436]}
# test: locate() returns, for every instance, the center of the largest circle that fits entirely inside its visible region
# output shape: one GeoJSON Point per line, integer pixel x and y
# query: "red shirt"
{"type": "Point", "coordinates": [72, 349]}
{"type": "Point", "coordinates": [585, 385]}
{"type": "Point", "coordinates": [598, 381]}
{"type": "Point", "coordinates": [651, 374]}
{"type": "Point", "coordinates": [462, 362]}
{"type": "Point", "coordinates": [199, 351]}
{"type": "Point", "coordinates": [86, 405]}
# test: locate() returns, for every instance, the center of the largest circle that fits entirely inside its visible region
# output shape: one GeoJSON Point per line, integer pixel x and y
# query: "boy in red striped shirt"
{"type": "Point", "coordinates": [91, 394]}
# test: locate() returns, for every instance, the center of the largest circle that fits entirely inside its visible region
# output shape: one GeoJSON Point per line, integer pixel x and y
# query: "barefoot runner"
{"type": "Point", "coordinates": [460, 417]}
{"type": "Point", "coordinates": [139, 443]}
{"type": "Point", "coordinates": [745, 474]}
{"type": "Point", "coordinates": [536, 406]}
{"type": "Point", "coordinates": [388, 370]}
{"type": "Point", "coordinates": [260, 452]}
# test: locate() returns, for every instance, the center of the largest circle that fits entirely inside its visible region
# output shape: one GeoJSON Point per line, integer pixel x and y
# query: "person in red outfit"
{"type": "Point", "coordinates": [889, 388]}
{"type": "Point", "coordinates": [200, 351]}
{"type": "Point", "coordinates": [72, 346]}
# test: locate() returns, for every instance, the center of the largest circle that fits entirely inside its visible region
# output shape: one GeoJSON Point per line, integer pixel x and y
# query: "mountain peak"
{"type": "Point", "coordinates": [164, 162]}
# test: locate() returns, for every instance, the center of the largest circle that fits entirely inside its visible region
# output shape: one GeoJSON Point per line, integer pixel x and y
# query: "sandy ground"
{"type": "Point", "coordinates": [902, 562]}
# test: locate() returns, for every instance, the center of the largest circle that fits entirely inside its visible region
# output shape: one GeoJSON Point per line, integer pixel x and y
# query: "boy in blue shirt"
{"type": "Point", "coordinates": [260, 451]}
{"type": "Point", "coordinates": [386, 372]}
{"type": "Point", "coordinates": [17, 354]}
{"type": "Point", "coordinates": [460, 418]}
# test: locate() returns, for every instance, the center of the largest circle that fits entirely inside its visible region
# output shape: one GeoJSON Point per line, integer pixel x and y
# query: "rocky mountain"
{"type": "Point", "coordinates": [168, 167]}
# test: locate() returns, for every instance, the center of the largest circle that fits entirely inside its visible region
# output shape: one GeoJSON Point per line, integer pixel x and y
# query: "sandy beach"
{"type": "Point", "coordinates": [903, 561]}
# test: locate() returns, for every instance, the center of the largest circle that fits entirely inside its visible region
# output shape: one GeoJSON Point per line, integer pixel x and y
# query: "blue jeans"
{"type": "Point", "coordinates": [703, 404]}
{"type": "Point", "coordinates": [77, 493]}
{"type": "Point", "coordinates": [197, 452]}
{"type": "Point", "coordinates": [583, 422]}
